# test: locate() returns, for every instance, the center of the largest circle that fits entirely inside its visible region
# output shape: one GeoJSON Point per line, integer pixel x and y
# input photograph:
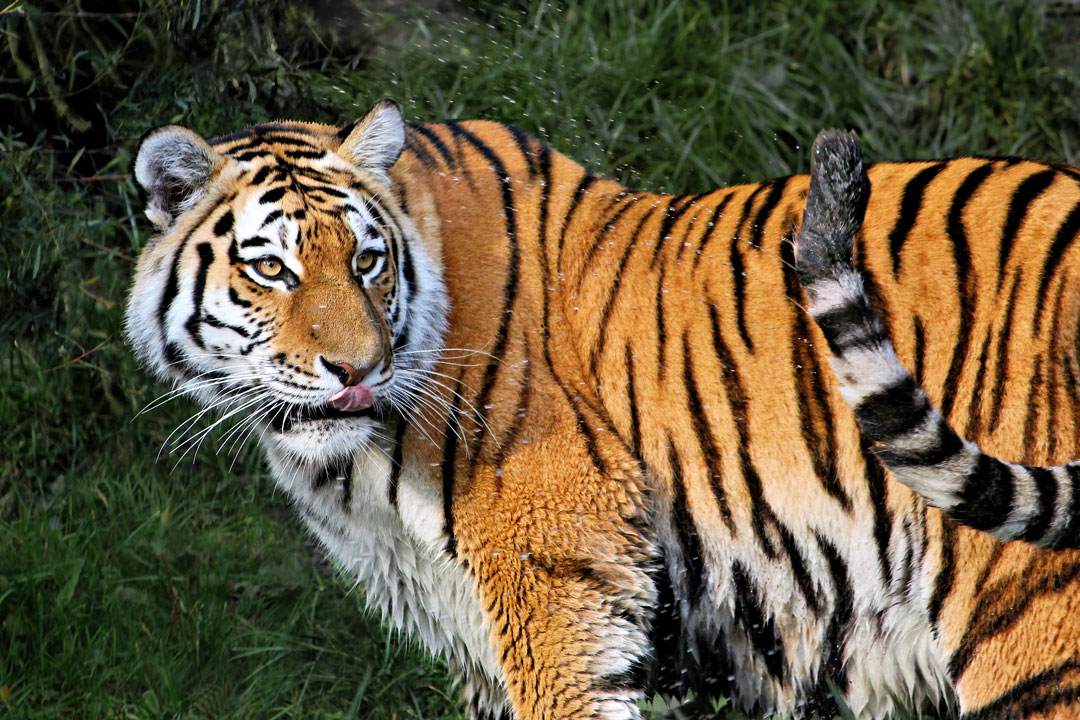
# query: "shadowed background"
{"type": "Point", "coordinates": [131, 588]}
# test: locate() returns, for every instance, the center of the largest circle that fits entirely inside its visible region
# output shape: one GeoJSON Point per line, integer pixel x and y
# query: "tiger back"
{"type": "Point", "coordinates": [624, 467]}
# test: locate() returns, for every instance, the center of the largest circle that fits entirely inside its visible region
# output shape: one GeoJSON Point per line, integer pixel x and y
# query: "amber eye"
{"type": "Point", "coordinates": [365, 261]}
{"type": "Point", "coordinates": [270, 268]}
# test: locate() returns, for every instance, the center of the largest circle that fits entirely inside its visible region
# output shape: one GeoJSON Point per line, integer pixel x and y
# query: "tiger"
{"type": "Point", "coordinates": [584, 442]}
{"type": "Point", "coordinates": [1011, 501]}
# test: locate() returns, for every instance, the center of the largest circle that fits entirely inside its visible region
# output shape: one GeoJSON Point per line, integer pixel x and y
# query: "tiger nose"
{"type": "Point", "coordinates": [348, 374]}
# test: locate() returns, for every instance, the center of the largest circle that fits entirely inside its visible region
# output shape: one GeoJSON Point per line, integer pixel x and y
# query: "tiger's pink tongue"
{"type": "Point", "coordinates": [352, 398]}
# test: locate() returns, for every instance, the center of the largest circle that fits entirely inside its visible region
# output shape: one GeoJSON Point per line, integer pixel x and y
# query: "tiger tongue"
{"type": "Point", "coordinates": [352, 398]}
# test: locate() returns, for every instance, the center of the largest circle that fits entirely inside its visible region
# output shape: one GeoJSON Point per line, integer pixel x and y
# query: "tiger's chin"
{"type": "Point", "coordinates": [321, 439]}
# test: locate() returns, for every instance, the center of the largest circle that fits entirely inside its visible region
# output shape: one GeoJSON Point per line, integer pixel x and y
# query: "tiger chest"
{"type": "Point", "coordinates": [394, 552]}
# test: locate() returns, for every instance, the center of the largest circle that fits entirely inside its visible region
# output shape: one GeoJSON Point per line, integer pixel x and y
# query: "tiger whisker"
{"type": "Point", "coordinates": [435, 402]}
{"type": "Point", "coordinates": [472, 408]}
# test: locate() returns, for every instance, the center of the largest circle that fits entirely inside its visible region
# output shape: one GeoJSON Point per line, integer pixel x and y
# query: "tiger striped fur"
{"type": "Point", "coordinates": [584, 442]}
{"type": "Point", "coordinates": [1011, 501]}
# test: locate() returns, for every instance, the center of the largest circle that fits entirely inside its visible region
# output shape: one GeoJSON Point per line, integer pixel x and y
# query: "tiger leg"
{"type": "Point", "coordinates": [571, 636]}
{"type": "Point", "coordinates": [1009, 626]}
{"type": "Point", "coordinates": [483, 698]}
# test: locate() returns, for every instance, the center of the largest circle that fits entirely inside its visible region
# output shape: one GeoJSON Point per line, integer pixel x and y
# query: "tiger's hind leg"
{"type": "Point", "coordinates": [1007, 616]}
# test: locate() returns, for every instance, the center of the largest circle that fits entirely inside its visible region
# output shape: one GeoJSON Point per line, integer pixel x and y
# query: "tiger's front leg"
{"type": "Point", "coordinates": [567, 592]}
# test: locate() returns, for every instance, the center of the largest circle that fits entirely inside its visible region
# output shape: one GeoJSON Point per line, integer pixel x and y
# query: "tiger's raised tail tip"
{"type": "Point", "coordinates": [834, 205]}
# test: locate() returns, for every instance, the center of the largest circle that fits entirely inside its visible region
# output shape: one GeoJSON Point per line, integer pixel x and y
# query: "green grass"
{"type": "Point", "coordinates": [132, 589]}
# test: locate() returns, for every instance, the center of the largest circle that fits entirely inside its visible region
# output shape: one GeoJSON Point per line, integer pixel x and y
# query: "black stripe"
{"type": "Point", "coordinates": [947, 444]}
{"type": "Point", "coordinates": [748, 206]}
{"type": "Point", "coordinates": [704, 436]}
{"type": "Point", "coordinates": [378, 213]}
{"type": "Point", "coordinates": [272, 196]}
{"type": "Point", "coordinates": [329, 473]}
{"type": "Point", "coordinates": [251, 155]}
{"type": "Point", "coordinates": [1001, 369]}
{"type": "Point", "coordinates": [762, 514]}
{"type": "Point", "coordinates": [944, 581]}
{"type": "Point", "coordinates": [1055, 371]}
{"type": "Point", "coordinates": [1026, 193]}
{"type": "Point", "coordinates": [776, 192]}
{"type": "Point", "coordinates": [693, 556]}
{"type": "Point", "coordinates": [271, 217]}
{"type": "Point", "coordinates": [396, 459]}
{"type": "Point", "coordinates": [848, 326]}
{"type": "Point", "coordinates": [841, 619]}
{"type": "Point", "coordinates": [524, 144]}
{"type": "Point", "coordinates": [661, 326]}
{"type": "Point", "coordinates": [214, 321]}
{"type": "Point", "coordinates": [447, 468]}
{"type": "Point", "coordinates": [263, 135]}
{"type": "Point", "coordinates": [1062, 242]}
{"type": "Point", "coordinates": [635, 423]}
{"type": "Point", "coordinates": [986, 495]}
{"type": "Point", "coordinates": [760, 628]}
{"type": "Point", "coordinates": [737, 271]}
{"type": "Point", "coordinates": [710, 228]}
{"type": "Point", "coordinates": [893, 411]}
{"type": "Point", "coordinates": [667, 634]}
{"type": "Point", "coordinates": [627, 202]}
{"type": "Point", "coordinates": [437, 142]}
{"type": "Point", "coordinates": [520, 409]}
{"type": "Point", "coordinates": [206, 257]}
{"type": "Point", "coordinates": [588, 435]}
{"type": "Point", "coordinates": [609, 303]}
{"type": "Point", "coordinates": [256, 241]}
{"type": "Point", "coordinates": [260, 176]}
{"type": "Point", "coordinates": [920, 349]}
{"type": "Point", "coordinates": [224, 224]}
{"type": "Point", "coordinates": [305, 154]}
{"type": "Point", "coordinates": [975, 401]}
{"type": "Point", "coordinates": [235, 299]}
{"type": "Point", "coordinates": [580, 192]}
{"type": "Point", "coordinates": [738, 277]}
{"type": "Point", "coordinates": [1032, 436]}
{"type": "Point", "coordinates": [879, 501]}
{"type": "Point", "coordinates": [798, 567]}
{"type": "Point", "coordinates": [346, 490]}
{"type": "Point", "coordinates": [1047, 487]}
{"type": "Point", "coordinates": [426, 159]}
{"type": "Point", "coordinates": [1069, 536]}
{"type": "Point", "coordinates": [965, 278]}
{"type": "Point", "coordinates": [631, 399]}
{"type": "Point", "coordinates": [671, 216]}
{"type": "Point", "coordinates": [910, 204]}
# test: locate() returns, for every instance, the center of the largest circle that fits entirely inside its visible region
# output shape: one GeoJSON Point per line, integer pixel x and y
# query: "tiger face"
{"type": "Point", "coordinates": [287, 288]}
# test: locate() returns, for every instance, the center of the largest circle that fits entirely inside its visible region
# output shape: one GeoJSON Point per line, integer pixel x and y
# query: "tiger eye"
{"type": "Point", "coordinates": [365, 261]}
{"type": "Point", "coordinates": [269, 267]}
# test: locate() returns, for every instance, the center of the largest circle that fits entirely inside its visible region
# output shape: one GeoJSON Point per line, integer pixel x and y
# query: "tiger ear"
{"type": "Point", "coordinates": [173, 166]}
{"type": "Point", "coordinates": [375, 141]}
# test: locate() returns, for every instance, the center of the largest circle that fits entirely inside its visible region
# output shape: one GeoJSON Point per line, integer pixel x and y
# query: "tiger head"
{"type": "Point", "coordinates": [287, 286]}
